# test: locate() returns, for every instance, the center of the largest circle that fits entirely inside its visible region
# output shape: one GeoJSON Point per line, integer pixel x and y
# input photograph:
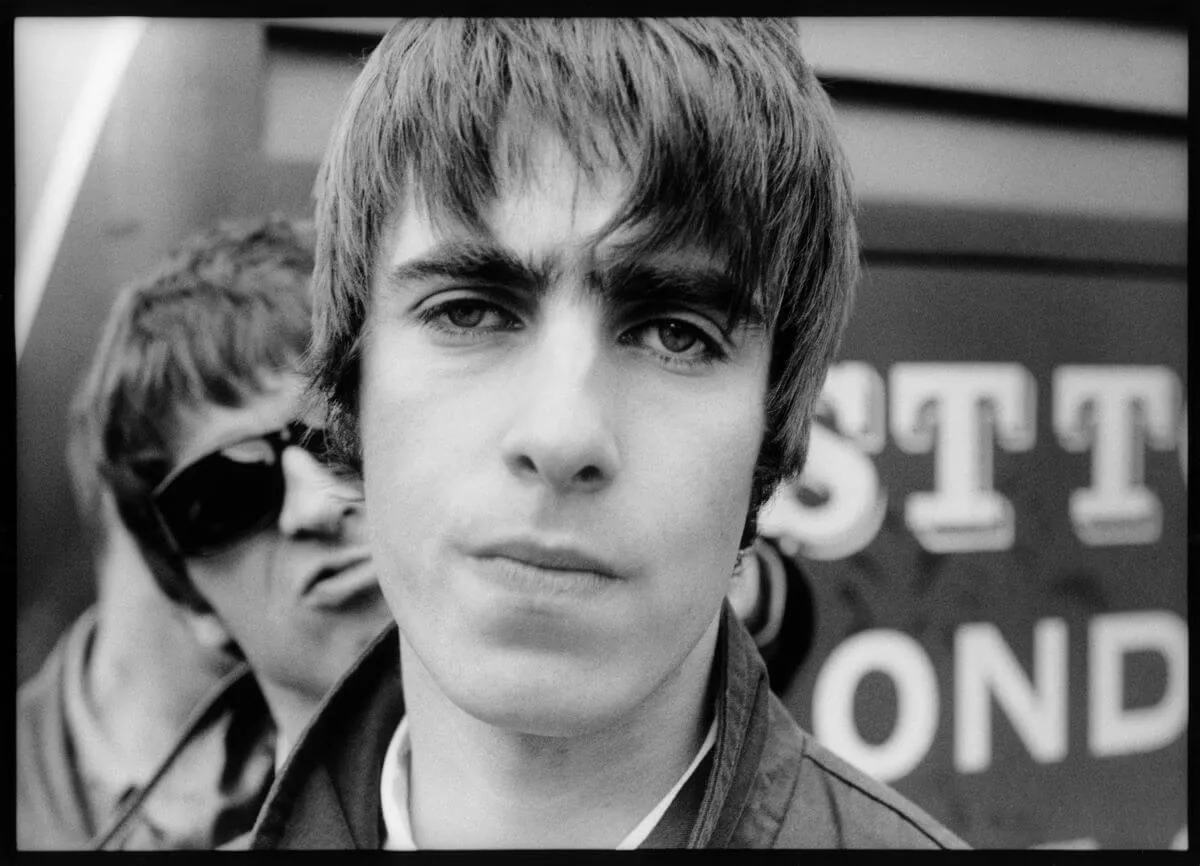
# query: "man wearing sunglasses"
{"type": "Point", "coordinates": [225, 538]}
{"type": "Point", "coordinates": [578, 284]}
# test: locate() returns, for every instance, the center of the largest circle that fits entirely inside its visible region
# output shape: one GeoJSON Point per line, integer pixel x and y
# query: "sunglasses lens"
{"type": "Point", "coordinates": [220, 500]}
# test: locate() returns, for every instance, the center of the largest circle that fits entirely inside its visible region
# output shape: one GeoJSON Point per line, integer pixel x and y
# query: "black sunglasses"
{"type": "Point", "coordinates": [231, 493]}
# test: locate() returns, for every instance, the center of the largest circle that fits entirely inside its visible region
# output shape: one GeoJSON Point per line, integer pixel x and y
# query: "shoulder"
{"type": "Point", "coordinates": [38, 704]}
{"type": "Point", "coordinates": [50, 810]}
{"type": "Point", "coordinates": [807, 797]}
{"type": "Point", "coordinates": [42, 691]}
{"type": "Point", "coordinates": [41, 705]}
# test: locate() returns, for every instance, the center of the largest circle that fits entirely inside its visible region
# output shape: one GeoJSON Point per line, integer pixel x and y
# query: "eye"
{"type": "Point", "coordinates": [676, 340]}
{"type": "Point", "coordinates": [676, 337]}
{"type": "Point", "coordinates": [465, 314]}
{"type": "Point", "coordinates": [468, 315]}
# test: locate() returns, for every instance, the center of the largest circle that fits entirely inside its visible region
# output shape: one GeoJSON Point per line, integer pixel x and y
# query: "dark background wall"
{"type": "Point", "coordinates": [1024, 223]}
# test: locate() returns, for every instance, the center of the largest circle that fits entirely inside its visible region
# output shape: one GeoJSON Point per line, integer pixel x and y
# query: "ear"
{"type": "Point", "coordinates": [744, 587]}
{"type": "Point", "coordinates": [208, 630]}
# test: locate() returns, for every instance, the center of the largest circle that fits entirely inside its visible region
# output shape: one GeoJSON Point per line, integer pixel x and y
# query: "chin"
{"type": "Point", "coordinates": [540, 706]}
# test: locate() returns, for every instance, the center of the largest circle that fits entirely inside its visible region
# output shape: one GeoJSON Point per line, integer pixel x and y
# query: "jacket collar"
{"type": "Point", "coordinates": [742, 696]}
{"type": "Point", "coordinates": [327, 793]}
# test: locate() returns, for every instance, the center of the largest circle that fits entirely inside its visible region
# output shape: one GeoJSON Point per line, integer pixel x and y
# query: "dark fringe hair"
{"type": "Point", "coordinates": [721, 124]}
{"type": "Point", "coordinates": [227, 308]}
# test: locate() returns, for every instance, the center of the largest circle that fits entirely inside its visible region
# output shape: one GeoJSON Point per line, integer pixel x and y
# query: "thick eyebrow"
{"type": "Point", "coordinates": [673, 283]}
{"type": "Point", "coordinates": [622, 281]}
{"type": "Point", "coordinates": [471, 262]}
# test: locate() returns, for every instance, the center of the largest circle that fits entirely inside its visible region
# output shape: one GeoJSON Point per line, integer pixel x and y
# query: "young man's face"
{"type": "Point", "coordinates": [300, 597]}
{"type": "Point", "coordinates": [558, 444]}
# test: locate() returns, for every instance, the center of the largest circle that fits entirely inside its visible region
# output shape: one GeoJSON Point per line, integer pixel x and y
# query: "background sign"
{"type": "Point", "coordinates": [993, 519]}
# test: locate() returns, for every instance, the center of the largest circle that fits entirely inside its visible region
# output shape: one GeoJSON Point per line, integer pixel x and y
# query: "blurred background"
{"type": "Point", "coordinates": [993, 520]}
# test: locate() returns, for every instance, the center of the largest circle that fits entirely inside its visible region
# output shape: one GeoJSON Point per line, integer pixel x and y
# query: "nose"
{"type": "Point", "coordinates": [562, 433]}
{"type": "Point", "coordinates": [315, 503]}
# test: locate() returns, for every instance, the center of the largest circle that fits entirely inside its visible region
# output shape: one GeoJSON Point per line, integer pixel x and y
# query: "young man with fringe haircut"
{"type": "Point", "coordinates": [578, 284]}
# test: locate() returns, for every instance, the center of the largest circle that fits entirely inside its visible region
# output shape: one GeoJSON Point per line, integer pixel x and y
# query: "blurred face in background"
{"type": "Point", "coordinates": [299, 595]}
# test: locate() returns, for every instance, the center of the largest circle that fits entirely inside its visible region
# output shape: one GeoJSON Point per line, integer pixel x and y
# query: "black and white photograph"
{"type": "Point", "coordinates": [601, 433]}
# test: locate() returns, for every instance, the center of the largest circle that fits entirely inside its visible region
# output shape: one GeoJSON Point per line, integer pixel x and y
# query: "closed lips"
{"type": "Point", "coordinates": [333, 570]}
{"type": "Point", "coordinates": [550, 558]}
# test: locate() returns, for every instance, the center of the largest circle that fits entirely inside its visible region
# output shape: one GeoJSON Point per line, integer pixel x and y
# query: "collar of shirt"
{"type": "Point", "coordinates": [218, 777]}
{"type": "Point", "coordinates": [394, 793]}
{"type": "Point", "coordinates": [105, 777]}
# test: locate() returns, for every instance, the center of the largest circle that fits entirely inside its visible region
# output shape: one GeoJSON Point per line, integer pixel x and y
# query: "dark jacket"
{"type": "Point", "coordinates": [768, 783]}
{"type": "Point", "coordinates": [205, 791]}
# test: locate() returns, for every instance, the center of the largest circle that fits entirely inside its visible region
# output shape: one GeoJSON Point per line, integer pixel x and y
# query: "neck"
{"type": "Point", "coordinates": [473, 785]}
{"type": "Point", "coordinates": [146, 673]}
{"type": "Point", "coordinates": [291, 710]}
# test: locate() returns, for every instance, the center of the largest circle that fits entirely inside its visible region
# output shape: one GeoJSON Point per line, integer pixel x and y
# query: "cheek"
{"type": "Point", "coordinates": [698, 456]}
{"type": "Point", "coordinates": [406, 445]}
{"type": "Point", "coordinates": [423, 421]}
{"type": "Point", "coordinates": [249, 591]}
{"type": "Point", "coordinates": [695, 492]}
{"type": "Point", "coordinates": [234, 581]}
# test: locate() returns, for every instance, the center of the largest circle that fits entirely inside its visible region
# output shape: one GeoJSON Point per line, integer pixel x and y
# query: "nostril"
{"type": "Point", "coordinates": [589, 474]}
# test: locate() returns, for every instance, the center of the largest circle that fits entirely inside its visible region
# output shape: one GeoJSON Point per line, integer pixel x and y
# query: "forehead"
{"type": "Point", "coordinates": [209, 426]}
{"type": "Point", "coordinates": [556, 201]}
{"type": "Point", "coordinates": [564, 212]}
{"type": "Point", "coordinates": [544, 200]}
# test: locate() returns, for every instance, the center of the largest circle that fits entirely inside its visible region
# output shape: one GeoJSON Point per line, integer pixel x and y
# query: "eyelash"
{"type": "Point", "coordinates": [437, 316]}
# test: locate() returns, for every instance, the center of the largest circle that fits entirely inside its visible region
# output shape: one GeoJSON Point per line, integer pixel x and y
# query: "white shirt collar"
{"type": "Point", "coordinates": [394, 793]}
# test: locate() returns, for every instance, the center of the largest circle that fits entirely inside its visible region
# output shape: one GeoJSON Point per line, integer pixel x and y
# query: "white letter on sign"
{"type": "Point", "coordinates": [902, 659]}
{"type": "Point", "coordinates": [837, 471]}
{"type": "Point", "coordinates": [1113, 729]}
{"type": "Point", "coordinates": [985, 666]}
{"type": "Point", "coordinates": [1116, 411]}
{"type": "Point", "coordinates": [853, 393]}
{"type": "Point", "coordinates": [965, 404]}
